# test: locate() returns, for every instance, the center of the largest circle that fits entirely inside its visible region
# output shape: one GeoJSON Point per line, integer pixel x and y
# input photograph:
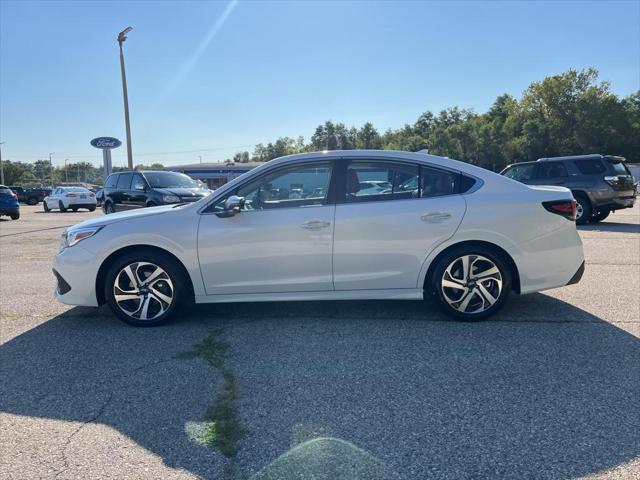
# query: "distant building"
{"type": "Point", "coordinates": [214, 174]}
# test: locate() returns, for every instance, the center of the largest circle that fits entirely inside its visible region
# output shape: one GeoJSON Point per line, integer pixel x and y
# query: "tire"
{"type": "Point", "coordinates": [109, 208]}
{"type": "Point", "coordinates": [92, 209]}
{"type": "Point", "coordinates": [61, 206]}
{"type": "Point", "coordinates": [583, 209]}
{"type": "Point", "coordinates": [470, 300]}
{"type": "Point", "coordinates": [15, 216]}
{"type": "Point", "coordinates": [151, 204]}
{"type": "Point", "coordinates": [32, 201]}
{"type": "Point", "coordinates": [75, 209]}
{"type": "Point", "coordinates": [172, 284]}
{"type": "Point", "coordinates": [46, 207]}
{"type": "Point", "coordinates": [599, 216]}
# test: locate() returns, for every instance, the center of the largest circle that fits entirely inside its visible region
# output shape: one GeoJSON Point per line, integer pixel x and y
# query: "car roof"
{"type": "Point", "coordinates": [591, 156]}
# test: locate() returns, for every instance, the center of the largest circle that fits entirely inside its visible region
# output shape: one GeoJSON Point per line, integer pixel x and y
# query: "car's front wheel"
{"type": "Point", "coordinates": [470, 283]}
{"type": "Point", "coordinates": [46, 207]}
{"type": "Point", "coordinates": [144, 289]}
{"type": "Point", "coordinates": [109, 208]}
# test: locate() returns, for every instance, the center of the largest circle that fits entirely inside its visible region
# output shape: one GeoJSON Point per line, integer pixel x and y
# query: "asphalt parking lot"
{"type": "Point", "coordinates": [547, 389]}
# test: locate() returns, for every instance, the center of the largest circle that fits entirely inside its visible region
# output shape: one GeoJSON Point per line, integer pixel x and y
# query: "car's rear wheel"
{"type": "Point", "coordinates": [600, 215]}
{"type": "Point", "coordinates": [75, 209]}
{"type": "Point", "coordinates": [144, 289]}
{"type": "Point", "coordinates": [61, 206]}
{"type": "Point", "coordinates": [151, 204]}
{"type": "Point", "coordinates": [583, 209]}
{"type": "Point", "coordinates": [15, 216]}
{"type": "Point", "coordinates": [109, 208]}
{"type": "Point", "coordinates": [32, 201]}
{"type": "Point", "coordinates": [92, 209]}
{"type": "Point", "coordinates": [470, 283]}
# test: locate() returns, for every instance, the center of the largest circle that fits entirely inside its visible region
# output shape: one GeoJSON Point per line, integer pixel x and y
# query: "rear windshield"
{"type": "Point", "coordinates": [5, 190]}
{"type": "Point", "coordinates": [619, 168]}
{"type": "Point", "coordinates": [169, 180]}
{"type": "Point", "coordinates": [76, 189]}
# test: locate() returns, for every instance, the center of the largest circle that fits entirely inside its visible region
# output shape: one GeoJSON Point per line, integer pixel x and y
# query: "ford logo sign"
{"type": "Point", "coordinates": [106, 142]}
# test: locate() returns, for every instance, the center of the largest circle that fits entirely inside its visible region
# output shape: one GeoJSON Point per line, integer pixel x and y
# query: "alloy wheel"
{"type": "Point", "coordinates": [579, 210]}
{"type": "Point", "coordinates": [471, 284]}
{"type": "Point", "coordinates": [143, 291]}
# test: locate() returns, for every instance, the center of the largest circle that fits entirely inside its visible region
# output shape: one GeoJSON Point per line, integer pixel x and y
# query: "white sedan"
{"type": "Point", "coordinates": [302, 228]}
{"type": "Point", "coordinates": [64, 198]}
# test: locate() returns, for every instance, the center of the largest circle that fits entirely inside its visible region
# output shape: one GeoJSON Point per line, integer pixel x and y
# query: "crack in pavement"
{"type": "Point", "coordinates": [100, 411]}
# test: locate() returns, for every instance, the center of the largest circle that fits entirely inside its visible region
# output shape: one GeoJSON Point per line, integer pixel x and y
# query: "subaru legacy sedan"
{"type": "Point", "coordinates": [302, 227]}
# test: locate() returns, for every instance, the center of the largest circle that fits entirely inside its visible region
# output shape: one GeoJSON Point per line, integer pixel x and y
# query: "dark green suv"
{"type": "Point", "coordinates": [600, 184]}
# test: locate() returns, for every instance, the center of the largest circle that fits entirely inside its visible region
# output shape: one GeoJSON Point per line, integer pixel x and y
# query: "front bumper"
{"type": "Point", "coordinates": [77, 267]}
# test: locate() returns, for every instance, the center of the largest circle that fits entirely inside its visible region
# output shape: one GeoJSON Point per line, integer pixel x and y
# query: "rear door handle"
{"type": "Point", "coordinates": [315, 225]}
{"type": "Point", "coordinates": [435, 217]}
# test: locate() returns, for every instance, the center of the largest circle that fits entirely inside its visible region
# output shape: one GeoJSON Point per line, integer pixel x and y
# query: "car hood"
{"type": "Point", "coordinates": [128, 215]}
{"type": "Point", "coordinates": [183, 192]}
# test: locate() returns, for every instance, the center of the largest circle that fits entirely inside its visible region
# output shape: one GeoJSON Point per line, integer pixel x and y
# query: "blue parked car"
{"type": "Point", "coordinates": [9, 203]}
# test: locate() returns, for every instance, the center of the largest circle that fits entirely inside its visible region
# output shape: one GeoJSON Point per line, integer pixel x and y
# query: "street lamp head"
{"type": "Point", "coordinates": [122, 36]}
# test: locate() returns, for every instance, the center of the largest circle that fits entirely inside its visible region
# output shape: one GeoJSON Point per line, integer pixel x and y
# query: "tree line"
{"type": "Point", "coordinates": [568, 114]}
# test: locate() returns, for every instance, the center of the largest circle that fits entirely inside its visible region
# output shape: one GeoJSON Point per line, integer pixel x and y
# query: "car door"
{"type": "Point", "coordinates": [121, 193]}
{"type": "Point", "coordinates": [382, 239]}
{"type": "Point", "coordinates": [137, 195]}
{"type": "Point", "coordinates": [281, 239]}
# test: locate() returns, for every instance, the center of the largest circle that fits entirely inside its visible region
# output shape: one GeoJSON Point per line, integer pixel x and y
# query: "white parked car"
{"type": "Point", "coordinates": [455, 233]}
{"type": "Point", "coordinates": [64, 198]}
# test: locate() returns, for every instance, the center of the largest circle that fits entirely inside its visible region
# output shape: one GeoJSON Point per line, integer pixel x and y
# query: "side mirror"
{"type": "Point", "coordinates": [232, 205]}
{"type": "Point", "coordinates": [139, 186]}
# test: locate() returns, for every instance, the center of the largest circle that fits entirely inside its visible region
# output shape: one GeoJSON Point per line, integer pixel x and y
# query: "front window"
{"type": "Point", "coordinates": [302, 185]}
{"type": "Point", "coordinates": [169, 180]}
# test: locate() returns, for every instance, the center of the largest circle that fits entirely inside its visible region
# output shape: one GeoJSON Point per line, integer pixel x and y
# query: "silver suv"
{"type": "Point", "coordinates": [600, 184]}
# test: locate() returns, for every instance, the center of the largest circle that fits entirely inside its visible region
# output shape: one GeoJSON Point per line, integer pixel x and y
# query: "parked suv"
{"type": "Point", "coordinates": [600, 184]}
{"type": "Point", "coordinates": [31, 196]}
{"type": "Point", "coordinates": [125, 190]}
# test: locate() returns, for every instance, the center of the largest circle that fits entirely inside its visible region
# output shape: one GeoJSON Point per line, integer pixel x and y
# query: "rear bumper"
{"type": "Point", "coordinates": [9, 210]}
{"type": "Point", "coordinates": [577, 276]}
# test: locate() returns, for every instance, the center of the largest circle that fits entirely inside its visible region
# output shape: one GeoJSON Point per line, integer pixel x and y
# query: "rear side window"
{"type": "Point", "coordinates": [124, 182]}
{"type": "Point", "coordinates": [590, 166]}
{"type": "Point", "coordinates": [619, 168]}
{"type": "Point", "coordinates": [436, 183]}
{"type": "Point", "coordinates": [551, 170]}
{"type": "Point", "coordinates": [373, 181]}
{"type": "Point", "coordinates": [521, 173]}
{"type": "Point", "coordinates": [111, 181]}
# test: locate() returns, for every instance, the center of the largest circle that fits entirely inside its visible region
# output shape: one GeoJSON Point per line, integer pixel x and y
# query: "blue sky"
{"type": "Point", "coordinates": [212, 78]}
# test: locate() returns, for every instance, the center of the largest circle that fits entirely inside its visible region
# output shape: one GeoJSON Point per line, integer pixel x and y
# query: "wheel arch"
{"type": "Point", "coordinates": [515, 274]}
{"type": "Point", "coordinates": [100, 277]}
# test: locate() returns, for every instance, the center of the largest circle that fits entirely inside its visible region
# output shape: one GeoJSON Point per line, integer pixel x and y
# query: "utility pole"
{"type": "Point", "coordinates": [200, 157]}
{"type": "Point", "coordinates": [51, 168]}
{"type": "Point", "coordinates": [122, 36]}
{"type": "Point", "coordinates": [66, 175]}
{"type": "Point", "coordinates": [78, 177]}
{"type": "Point", "coordinates": [1, 167]}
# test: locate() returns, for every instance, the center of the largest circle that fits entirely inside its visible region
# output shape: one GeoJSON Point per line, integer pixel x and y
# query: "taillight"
{"type": "Point", "coordinates": [614, 181]}
{"type": "Point", "coordinates": [14, 194]}
{"type": "Point", "coordinates": [566, 208]}
{"type": "Point", "coordinates": [70, 195]}
{"type": "Point", "coordinates": [92, 194]}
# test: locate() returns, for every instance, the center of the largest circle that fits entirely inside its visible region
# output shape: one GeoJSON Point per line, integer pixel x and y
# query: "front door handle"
{"type": "Point", "coordinates": [435, 217]}
{"type": "Point", "coordinates": [315, 225]}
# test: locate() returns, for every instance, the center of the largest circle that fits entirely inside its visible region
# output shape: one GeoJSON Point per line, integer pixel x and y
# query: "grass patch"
{"type": "Point", "coordinates": [222, 428]}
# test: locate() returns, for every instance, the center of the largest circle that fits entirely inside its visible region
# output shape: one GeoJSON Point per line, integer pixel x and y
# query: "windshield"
{"type": "Point", "coordinates": [170, 180]}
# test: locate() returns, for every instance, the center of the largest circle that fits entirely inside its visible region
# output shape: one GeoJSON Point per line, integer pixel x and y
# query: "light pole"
{"type": "Point", "coordinates": [51, 168]}
{"type": "Point", "coordinates": [122, 36]}
{"type": "Point", "coordinates": [1, 167]}
{"type": "Point", "coordinates": [200, 157]}
{"type": "Point", "coordinates": [66, 175]}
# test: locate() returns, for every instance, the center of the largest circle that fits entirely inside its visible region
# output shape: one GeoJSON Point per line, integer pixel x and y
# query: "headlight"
{"type": "Point", "coordinates": [170, 198]}
{"type": "Point", "coordinates": [74, 235]}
